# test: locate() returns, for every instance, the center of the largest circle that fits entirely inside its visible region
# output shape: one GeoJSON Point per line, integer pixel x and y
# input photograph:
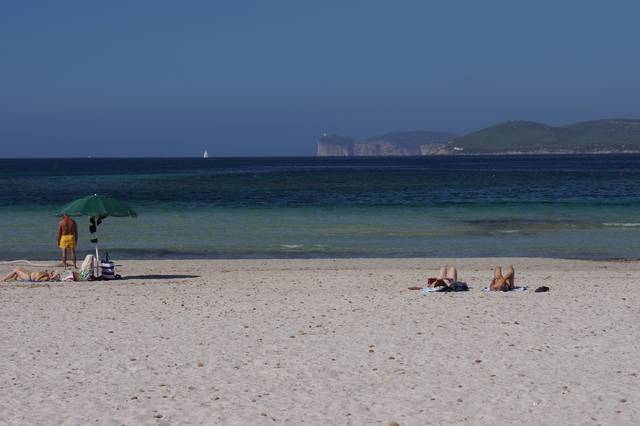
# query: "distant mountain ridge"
{"type": "Point", "coordinates": [512, 137]}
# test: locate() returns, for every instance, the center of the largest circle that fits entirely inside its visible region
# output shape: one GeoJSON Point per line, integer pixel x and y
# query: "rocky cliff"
{"type": "Point", "coordinates": [390, 144]}
{"type": "Point", "coordinates": [383, 148]}
{"type": "Point", "coordinates": [334, 146]}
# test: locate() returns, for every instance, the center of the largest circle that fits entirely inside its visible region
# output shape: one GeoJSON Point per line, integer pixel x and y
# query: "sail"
{"type": "Point", "coordinates": [206, 154]}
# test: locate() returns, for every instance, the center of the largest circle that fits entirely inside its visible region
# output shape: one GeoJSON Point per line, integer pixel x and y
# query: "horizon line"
{"type": "Point", "coordinates": [549, 154]}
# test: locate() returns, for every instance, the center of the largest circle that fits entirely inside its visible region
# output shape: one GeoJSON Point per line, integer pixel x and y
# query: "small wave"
{"type": "Point", "coordinates": [292, 246]}
{"type": "Point", "coordinates": [625, 224]}
{"type": "Point", "coordinates": [510, 231]}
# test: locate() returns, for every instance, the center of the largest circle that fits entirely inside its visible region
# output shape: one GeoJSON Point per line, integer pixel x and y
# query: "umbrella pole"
{"type": "Point", "coordinates": [97, 262]}
{"type": "Point", "coordinates": [97, 265]}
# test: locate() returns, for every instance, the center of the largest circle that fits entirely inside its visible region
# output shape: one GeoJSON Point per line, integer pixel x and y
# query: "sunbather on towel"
{"type": "Point", "coordinates": [503, 282]}
{"type": "Point", "coordinates": [447, 276]}
{"type": "Point", "coordinates": [21, 274]}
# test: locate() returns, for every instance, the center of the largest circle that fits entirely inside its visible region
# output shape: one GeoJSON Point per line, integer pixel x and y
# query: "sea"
{"type": "Point", "coordinates": [571, 206]}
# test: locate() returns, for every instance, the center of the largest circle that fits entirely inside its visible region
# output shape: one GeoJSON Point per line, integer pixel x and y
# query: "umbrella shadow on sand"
{"type": "Point", "coordinates": [158, 277]}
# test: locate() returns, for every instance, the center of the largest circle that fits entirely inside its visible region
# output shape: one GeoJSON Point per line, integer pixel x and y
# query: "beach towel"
{"type": "Point", "coordinates": [457, 286]}
{"type": "Point", "coordinates": [427, 290]}
{"type": "Point", "coordinates": [69, 276]}
{"type": "Point", "coordinates": [37, 282]}
{"type": "Point", "coordinates": [515, 289]}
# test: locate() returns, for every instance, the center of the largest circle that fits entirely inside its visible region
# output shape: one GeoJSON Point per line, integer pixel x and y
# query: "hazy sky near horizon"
{"type": "Point", "coordinates": [168, 78]}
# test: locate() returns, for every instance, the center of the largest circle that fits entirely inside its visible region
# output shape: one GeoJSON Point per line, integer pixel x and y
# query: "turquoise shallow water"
{"type": "Point", "coordinates": [578, 207]}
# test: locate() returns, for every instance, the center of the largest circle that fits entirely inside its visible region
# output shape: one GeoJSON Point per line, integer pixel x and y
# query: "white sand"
{"type": "Point", "coordinates": [324, 341]}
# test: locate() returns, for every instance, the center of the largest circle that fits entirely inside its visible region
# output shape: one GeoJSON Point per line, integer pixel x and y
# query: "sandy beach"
{"type": "Point", "coordinates": [323, 341]}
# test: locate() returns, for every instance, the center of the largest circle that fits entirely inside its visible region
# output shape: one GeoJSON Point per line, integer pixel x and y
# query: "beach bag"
{"type": "Point", "coordinates": [86, 269]}
{"type": "Point", "coordinates": [87, 264]}
{"type": "Point", "coordinates": [108, 268]}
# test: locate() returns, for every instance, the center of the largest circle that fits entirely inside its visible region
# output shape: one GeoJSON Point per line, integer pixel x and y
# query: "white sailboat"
{"type": "Point", "coordinates": [206, 154]}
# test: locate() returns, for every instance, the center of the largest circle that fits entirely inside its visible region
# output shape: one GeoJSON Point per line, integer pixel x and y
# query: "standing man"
{"type": "Point", "coordinates": [67, 239]}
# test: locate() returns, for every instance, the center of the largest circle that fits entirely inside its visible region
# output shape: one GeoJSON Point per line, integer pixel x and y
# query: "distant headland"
{"type": "Point", "coordinates": [512, 137]}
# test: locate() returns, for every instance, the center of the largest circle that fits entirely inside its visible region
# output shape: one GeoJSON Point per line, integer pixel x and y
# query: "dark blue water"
{"type": "Point", "coordinates": [559, 206]}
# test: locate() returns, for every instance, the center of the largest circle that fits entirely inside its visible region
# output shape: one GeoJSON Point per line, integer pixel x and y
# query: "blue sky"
{"type": "Point", "coordinates": [167, 78]}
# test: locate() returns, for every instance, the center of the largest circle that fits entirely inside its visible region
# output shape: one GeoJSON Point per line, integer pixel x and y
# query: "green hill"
{"type": "Point", "coordinates": [615, 135]}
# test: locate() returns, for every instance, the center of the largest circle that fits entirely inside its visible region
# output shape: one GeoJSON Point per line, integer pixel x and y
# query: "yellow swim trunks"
{"type": "Point", "coordinates": [67, 242]}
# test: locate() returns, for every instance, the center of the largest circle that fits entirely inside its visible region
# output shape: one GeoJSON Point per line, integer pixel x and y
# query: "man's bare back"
{"type": "Point", "coordinates": [67, 227]}
{"type": "Point", "coordinates": [67, 239]}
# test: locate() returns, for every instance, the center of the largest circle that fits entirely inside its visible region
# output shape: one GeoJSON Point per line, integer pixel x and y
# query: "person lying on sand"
{"type": "Point", "coordinates": [503, 283]}
{"type": "Point", "coordinates": [447, 276]}
{"type": "Point", "coordinates": [21, 274]}
{"type": "Point", "coordinates": [447, 280]}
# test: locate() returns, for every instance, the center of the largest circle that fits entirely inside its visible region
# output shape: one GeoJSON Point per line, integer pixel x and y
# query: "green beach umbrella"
{"type": "Point", "coordinates": [97, 208]}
